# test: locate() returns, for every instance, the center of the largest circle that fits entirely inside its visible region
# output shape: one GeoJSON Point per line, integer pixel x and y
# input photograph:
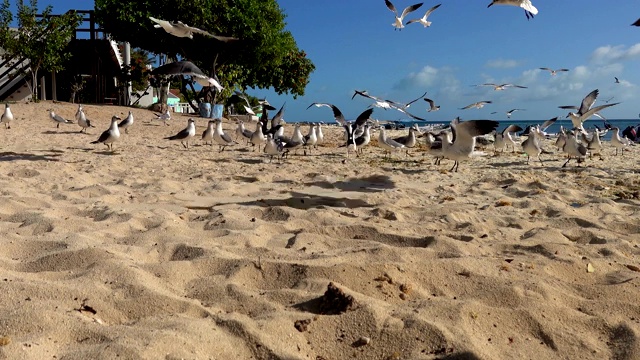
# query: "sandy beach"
{"type": "Point", "coordinates": [155, 251]}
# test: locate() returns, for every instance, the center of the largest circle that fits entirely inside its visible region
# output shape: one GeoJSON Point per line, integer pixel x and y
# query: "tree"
{"type": "Point", "coordinates": [41, 40]}
{"type": "Point", "coordinates": [265, 56]}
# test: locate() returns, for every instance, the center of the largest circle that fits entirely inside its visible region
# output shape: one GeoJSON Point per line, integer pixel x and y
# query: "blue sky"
{"type": "Point", "coordinates": [354, 46]}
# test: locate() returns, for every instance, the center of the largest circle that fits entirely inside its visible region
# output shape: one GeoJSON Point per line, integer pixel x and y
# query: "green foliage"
{"type": "Point", "coordinates": [265, 56]}
{"type": "Point", "coordinates": [41, 40]}
{"type": "Point", "coordinates": [138, 72]}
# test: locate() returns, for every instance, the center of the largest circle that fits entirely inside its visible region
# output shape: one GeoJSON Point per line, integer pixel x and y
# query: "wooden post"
{"type": "Point", "coordinates": [53, 86]}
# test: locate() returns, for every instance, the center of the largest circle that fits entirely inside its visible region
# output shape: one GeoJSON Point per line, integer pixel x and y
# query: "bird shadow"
{"type": "Point", "coordinates": [11, 156]}
{"type": "Point", "coordinates": [107, 152]}
{"type": "Point", "coordinates": [405, 171]}
{"type": "Point", "coordinates": [61, 132]}
{"type": "Point", "coordinates": [302, 201]}
{"type": "Point", "coordinates": [374, 183]}
{"type": "Point", "coordinates": [250, 161]}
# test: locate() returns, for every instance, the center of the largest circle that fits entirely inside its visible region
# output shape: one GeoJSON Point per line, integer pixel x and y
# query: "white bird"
{"type": "Point", "coordinates": [512, 111]}
{"type": "Point", "coordinates": [58, 119]}
{"type": "Point", "coordinates": [574, 148]}
{"type": "Point", "coordinates": [618, 142]}
{"type": "Point", "coordinates": [319, 134]}
{"type": "Point", "coordinates": [529, 9]}
{"type": "Point", "coordinates": [409, 141]}
{"type": "Point", "coordinates": [434, 146]}
{"type": "Point", "coordinates": [532, 145]}
{"type": "Point", "coordinates": [477, 105]}
{"type": "Point", "coordinates": [7, 116]}
{"type": "Point", "coordinates": [179, 29]}
{"type": "Point", "coordinates": [190, 69]}
{"type": "Point", "coordinates": [111, 135]}
{"type": "Point", "coordinates": [553, 71]}
{"type": "Point", "coordinates": [258, 137]}
{"type": "Point", "coordinates": [273, 147]}
{"type": "Point", "coordinates": [185, 134]}
{"type": "Point", "coordinates": [207, 134]}
{"type": "Point", "coordinates": [432, 105]}
{"type": "Point", "coordinates": [504, 137]}
{"type": "Point", "coordinates": [351, 127]}
{"type": "Point", "coordinates": [398, 23]}
{"type": "Point", "coordinates": [461, 141]}
{"type": "Point", "coordinates": [388, 145]}
{"type": "Point", "coordinates": [311, 139]}
{"type": "Point", "coordinates": [164, 117]}
{"type": "Point", "coordinates": [586, 111]}
{"type": "Point", "coordinates": [127, 122]}
{"type": "Point", "coordinates": [562, 138]}
{"type": "Point", "coordinates": [423, 20]}
{"type": "Point", "coordinates": [82, 119]}
{"type": "Point", "coordinates": [241, 132]}
{"type": "Point", "coordinates": [498, 87]}
{"type": "Point", "coordinates": [220, 137]}
{"type": "Point", "coordinates": [595, 144]}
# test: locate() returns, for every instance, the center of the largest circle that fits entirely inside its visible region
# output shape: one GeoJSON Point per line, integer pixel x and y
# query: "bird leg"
{"type": "Point", "coordinates": [566, 162]}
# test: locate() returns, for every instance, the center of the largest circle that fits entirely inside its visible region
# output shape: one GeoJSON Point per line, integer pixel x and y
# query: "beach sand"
{"type": "Point", "coordinates": [160, 252]}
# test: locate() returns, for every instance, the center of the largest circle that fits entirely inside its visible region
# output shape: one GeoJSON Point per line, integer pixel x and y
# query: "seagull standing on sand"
{"type": "Point", "coordinates": [207, 134]}
{"type": "Point", "coordinates": [574, 148]}
{"type": "Point", "coordinates": [7, 117]}
{"type": "Point", "coordinates": [58, 119]}
{"type": "Point", "coordinates": [397, 24]}
{"type": "Point", "coordinates": [273, 147]}
{"type": "Point", "coordinates": [179, 29]}
{"type": "Point", "coordinates": [552, 71]}
{"type": "Point", "coordinates": [461, 141]}
{"type": "Point", "coordinates": [434, 147]}
{"type": "Point", "coordinates": [532, 146]}
{"type": "Point", "coordinates": [258, 137]}
{"type": "Point", "coordinates": [477, 105]}
{"type": "Point", "coordinates": [585, 111]}
{"type": "Point", "coordinates": [423, 20]}
{"type": "Point", "coordinates": [82, 120]}
{"type": "Point", "coordinates": [190, 69]}
{"type": "Point", "coordinates": [595, 144]}
{"type": "Point", "coordinates": [319, 135]}
{"type": "Point", "coordinates": [529, 9]}
{"type": "Point", "coordinates": [618, 142]}
{"type": "Point", "coordinates": [504, 137]}
{"type": "Point", "coordinates": [126, 123]}
{"type": "Point", "coordinates": [408, 141]}
{"type": "Point", "coordinates": [164, 117]}
{"type": "Point", "coordinates": [432, 105]}
{"type": "Point", "coordinates": [388, 145]}
{"type": "Point", "coordinates": [111, 135]}
{"type": "Point", "coordinates": [220, 137]}
{"type": "Point", "coordinates": [185, 134]}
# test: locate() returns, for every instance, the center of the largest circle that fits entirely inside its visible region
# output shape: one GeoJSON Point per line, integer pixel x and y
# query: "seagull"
{"type": "Point", "coordinates": [319, 135]}
{"type": "Point", "coordinates": [607, 101]}
{"type": "Point", "coordinates": [552, 71]}
{"type": "Point", "coordinates": [82, 120]}
{"type": "Point", "coordinates": [408, 141]}
{"type": "Point", "coordinates": [388, 145]}
{"type": "Point", "coordinates": [207, 134]}
{"type": "Point", "coordinates": [432, 105]}
{"type": "Point", "coordinates": [585, 111]}
{"type": "Point", "coordinates": [529, 9]}
{"type": "Point", "coordinates": [398, 25]}
{"type": "Point", "coordinates": [242, 132]}
{"type": "Point", "coordinates": [58, 119]}
{"type": "Point", "coordinates": [7, 116]}
{"type": "Point", "coordinates": [258, 137]}
{"type": "Point", "coordinates": [477, 105]}
{"type": "Point", "coordinates": [434, 147]}
{"type": "Point", "coordinates": [595, 144]}
{"type": "Point", "coordinates": [501, 138]}
{"type": "Point", "coordinates": [220, 137]}
{"type": "Point", "coordinates": [349, 127]}
{"type": "Point", "coordinates": [179, 29]}
{"type": "Point", "coordinates": [498, 87]}
{"type": "Point", "coordinates": [573, 147]}
{"type": "Point", "coordinates": [164, 117]}
{"type": "Point", "coordinates": [573, 107]}
{"type": "Point", "coordinates": [187, 68]}
{"type": "Point", "coordinates": [185, 134]}
{"type": "Point", "coordinates": [423, 20]}
{"type": "Point", "coordinates": [618, 142]}
{"type": "Point", "coordinates": [532, 146]}
{"type": "Point", "coordinates": [461, 141]}
{"type": "Point", "coordinates": [111, 135]}
{"type": "Point", "coordinates": [617, 80]}
{"type": "Point", "coordinates": [127, 122]}
{"type": "Point", "coordinates": [512, 111]}
{"type": "Point", "coordinates": [311, 139]}
{"type": "Point", "coordinates": [274, 147]}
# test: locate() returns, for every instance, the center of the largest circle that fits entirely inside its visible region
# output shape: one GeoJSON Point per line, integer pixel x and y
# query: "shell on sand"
{"type": "Point", "coordinates": [155, 251]}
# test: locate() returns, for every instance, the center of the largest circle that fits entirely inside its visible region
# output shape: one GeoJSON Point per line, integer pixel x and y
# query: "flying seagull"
{"type": "Point", "coordinates": [617, 81]}
{"type": "Point", "coordinates": [553, 71]}
{"type": "Point", "coordinates": [398, 25]}
{"type": "Point", "coordinates": [477, 105]}
{"type": "Point", "coordinates": [187, 68]}
{"type": "Point", "coordinates": [423, 20]}
{"type": "Point", "coordinates": [585, 111]}
{"type": "Point", "coordinates": [529, 9]}
{"type": "Point", "coordinates": [459, 144]}
{"type": "Point", "coordinates": [512, 111]}
{"type": "Point", "coordinates": [432, 105]}
{"type": "Point", "coordinates": [498, 87]}
{"type": "Point", "coordinates": [179, 29]}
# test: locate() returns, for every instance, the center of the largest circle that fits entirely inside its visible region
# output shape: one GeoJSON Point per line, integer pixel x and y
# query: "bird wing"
{"type": "Point", "coordinates": [411, 115]}
{"type": "Point", "coordinates": [249, 110]}
{"type": "Point", "coordinates": [363, 117]}
{"type": "Point", "coordinates": [179, 68]}
{"type": "Point", "coordinates": [161, 23]}
{"type": "Point", "coordinates": [183, 134]}
{"type": "Point", "coordinates": [546, 68]}
{"type": "Point", "coordinates": [431, 102]}
{"type": "Point", "coordinates": [412, 101]}
{"type": "Point", "coordinates": [226, 137]}
{"type": "Point", "coordinates": [636, 23]}
{"type": "Point", "coordinates": [242, 96]}
{"type": "Point", "coordinates": [104, 136]}
{"type": "Point", "coordinates": [467, 130]}
{"type": "Point", "coordinates": [469, 106]}
{"type": "Point", "coordinates": [595, 110]}
{"type": "Point", "coordinates": [391, 7]}
{"type": "Point", "coordinates": [563, 69]}
{"type": "Point", "coordinates": [431, 10]}
{"type": "Point", "coordinates": [278, 117]}
{"type": "Point", "coordinates": [548, 123]}
{"type": "Point", "coordinates": [509, 129]}
{"type": "Point", "coordinates": [409, 9]}
{"type": "Point", "coordinates": [571, 107]}
{"type": "Point", "coordinates": [588, 101]}
{"type": "Point", "coordinates": [59, 118]}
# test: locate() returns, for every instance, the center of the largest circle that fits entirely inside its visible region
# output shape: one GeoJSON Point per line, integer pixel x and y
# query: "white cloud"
{"type": "Point", "coordinates": [611, 54]}
{"type": "Point", "coordinates": [429, 77]}
{"type": "Point", "coordinates": [502, 63]}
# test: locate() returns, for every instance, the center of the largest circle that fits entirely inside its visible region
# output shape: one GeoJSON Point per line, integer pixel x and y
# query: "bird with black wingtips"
{"type": "Point", "coordinates": [529, 9]}
{"type": "Point", "coordinates": [553, 72]}
{"type": "Point", "coordinates": [459, 144]}
{"type": "Point", "coordinates": [504, 137]}
{"type": "Point", "coordinates": [398, 23]}
{"type": "Point", "coordinates": [349, 127]}
{"type": "Point", "coordinates": [7, 116]}
{"type": "Point", "coordinates": [432, 105]}
{"type": "Point", "coordinates": [185, 134]}
{"type": "Point", "coordinates": [164, 117]}
{"type": "Point", "coordinates": [619, 142]}
{"type": "Point", "coordinates": [409, 141]}
{"type": "Point", "coordinates": [532, 146]}
{"type": "Point", "coordinates": [477, 105]}
{"type": "Point", "coordinates": [573, 147]}
{"type": "Point", "coordinates": [387, 144]}
{"type": "Point", "coordinates": [423, 20]}
{"type": "Point", "coordinates": [180, 29]}
{"type": "Point", "coordinates": [220, 137]}
{"type": "Point", "coordinates": [499, 87]}
{"type": "Point", "coordinates": [187, 68]}
{"type": "Point", "coordinates": [111, 135]}
{"type": "Point", "coordinates": [585, 111]}
{"type": "Point", "coordinates": [58, 119]}
{"type": "Point", "coordinates": [274, 147]}
{"type": "Point", "coordinates": [81, 117]}
{"type": "Point", "coordinates": [126, 123]}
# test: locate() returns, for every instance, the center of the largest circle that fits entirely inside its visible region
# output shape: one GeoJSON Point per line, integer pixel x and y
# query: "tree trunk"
{"type": "Point", "coordinates": [34, 85]}
{"type": "Point", "coordinates": [186, 95]}
{"type": "Point", "coordinates": [163, 96]}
